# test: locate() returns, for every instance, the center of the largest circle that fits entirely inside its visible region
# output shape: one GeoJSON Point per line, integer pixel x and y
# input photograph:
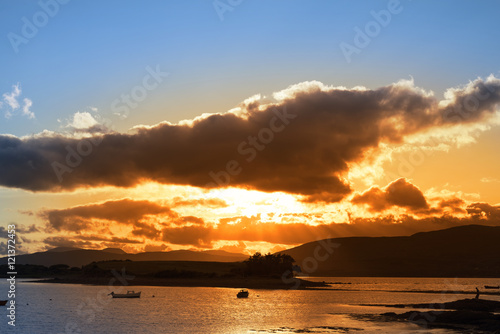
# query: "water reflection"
{"type": "Point", "coordinates": [217, 310]}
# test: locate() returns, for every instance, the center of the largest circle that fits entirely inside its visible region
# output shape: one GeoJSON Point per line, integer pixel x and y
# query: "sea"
{"type": "Point", "coordinates": [350, 305]}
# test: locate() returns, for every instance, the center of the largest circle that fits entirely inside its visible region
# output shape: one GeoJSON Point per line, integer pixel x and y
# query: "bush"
{"type": "Point", "coordinates": [269, 264]}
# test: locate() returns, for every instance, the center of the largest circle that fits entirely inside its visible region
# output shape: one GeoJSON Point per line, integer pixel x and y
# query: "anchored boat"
{"type": "Point", "coordinates": [129, 294]}
{"type": "Point", "coordinates": [242, 294]}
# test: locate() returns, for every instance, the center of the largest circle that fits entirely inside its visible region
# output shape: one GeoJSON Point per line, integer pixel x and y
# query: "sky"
{"type": "Point", "coordinates": [245, 125]}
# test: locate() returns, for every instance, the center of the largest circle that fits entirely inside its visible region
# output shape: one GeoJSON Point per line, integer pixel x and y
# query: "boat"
{"type": "Point", "coordinates": [3, 302]}
{"type": "Point", "coordinates": [242, 294]}
{"type": "Point", "coordinates": [129, 294]}
{"type": "Point", "coordinates": [492, 287]}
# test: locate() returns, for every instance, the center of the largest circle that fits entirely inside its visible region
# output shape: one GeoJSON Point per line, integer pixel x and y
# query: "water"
{"type": "Point", "coordinates": [88, 309]}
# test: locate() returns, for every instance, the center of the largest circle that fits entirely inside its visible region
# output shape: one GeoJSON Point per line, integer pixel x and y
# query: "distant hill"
{"type": "Point", "coordinates": [464, 251]}
{"type": "Point", "coordinates": [114, 250]}
{"type": "Point", "coordinates": [75, 257]}
{"type": "Point", "coordinates": [62, 249]}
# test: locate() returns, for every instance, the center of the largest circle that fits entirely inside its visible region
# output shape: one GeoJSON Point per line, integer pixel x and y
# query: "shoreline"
{"type": "Point", "coordinates": [237, 283]}
{"type": "Point", "coordinates": [463, 315]}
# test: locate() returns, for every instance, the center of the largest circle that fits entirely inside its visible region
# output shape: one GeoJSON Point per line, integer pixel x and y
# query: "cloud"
{"type": "Point", "coordinates": [4, 246]}
{"type": "Point", "coordinates": [144, 219]}
{"type": "Point", "coordinates": [124, 211]}
{"type": "Point", "coordinates": [11, 99]}
{"type": "Point", "coordinates": [82, 120]}
{"type": "Point", "coordinates": [129, 223]}
{"type": "Point", "coordinates": [146, 230]}
{"type": "Point", "coordinates": [88, 242]}
{"type": "Point", "coordinates": [399, 193]}
{"type": "Point", "coordinates": [198, 236]}
{"type": "Point", "coordinates": [63, 241]}
{"type": "Point", "coordinates": [251, 229]}
{"type": "Point", "coordinates": [302, 144]}
{"type": "Point", "coordinates": [26, 108]}
{"type": "Point", "coordinates": [82, 124]}
{"type": "Point", "coordinates": [156, 248]}
{"type": "Point", "coordinates": [471, 102]}
{"type": "Point", "coordinates": [484, 211]}
{"type": "Point", "coordinates": [206, 202]}
{"type": "Point", "coordinates": [489, 180]}
{"type": "Point", "coordinates": [455, 204]}
{"type": "Point", "coordinates": [23, 229]}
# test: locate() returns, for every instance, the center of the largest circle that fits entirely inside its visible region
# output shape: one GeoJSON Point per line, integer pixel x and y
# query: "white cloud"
{"type": "Point", "coordinates": [82, 120]}
{"type": "Point", "coordinates": [11, 100]}
{"type": "Point", "coordinates": [489, 180]}
{"type": "Point", "coordinates": [26, 108]}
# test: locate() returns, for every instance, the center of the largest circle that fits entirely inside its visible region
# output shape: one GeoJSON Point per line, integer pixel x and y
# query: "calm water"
{"type": "Point", "coordinates": [88, 309]}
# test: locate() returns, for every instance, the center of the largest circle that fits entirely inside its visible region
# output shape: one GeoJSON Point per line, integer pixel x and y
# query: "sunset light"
{"type": "Point", "coordinates": [249, 166]}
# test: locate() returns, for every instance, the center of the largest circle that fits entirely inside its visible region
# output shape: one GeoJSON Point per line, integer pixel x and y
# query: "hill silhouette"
{"type": "Point", "coordinates": [75, 257]}
{"type": "Point", "coordinates": [464, 251]}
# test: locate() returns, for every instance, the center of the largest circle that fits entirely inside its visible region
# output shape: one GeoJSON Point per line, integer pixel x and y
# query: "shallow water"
{"type": "Point", "coordinates": [88, 309]}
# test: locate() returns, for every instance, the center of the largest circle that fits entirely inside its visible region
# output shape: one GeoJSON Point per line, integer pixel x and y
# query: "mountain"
{"type": "Point", "coordinates": [62, 249]}
{"type": "Point", "coordinates": [464, 251]}
{"type": "Point", "coordinates": [75, 257]}
{"type": "Point", "coordinates": [114, 250]}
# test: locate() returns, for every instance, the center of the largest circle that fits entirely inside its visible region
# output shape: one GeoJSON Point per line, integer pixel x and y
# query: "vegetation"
{"type": "Point", "coordinates": [38, 271]}
{"type": "Point", "coordinates": [151, 268]}
{"type": "Point", "coordinates": [269, 264]}
{"type": "Point", "coordinates": [258, 272]}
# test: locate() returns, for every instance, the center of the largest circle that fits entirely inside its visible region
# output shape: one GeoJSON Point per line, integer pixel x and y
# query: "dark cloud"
{"type": "Point", "coordinates": [473, 101]}
{"type": "Point", "coordinates": [108, 239]}
{"type": "Point", "coordinates": [5, 235]}
{"type": "Point", "coordinates": [65, 241]}
{"type": "Point", "coordinates": [156, 248]}
{"type": "Point", "coordinates": [198, 236]}
{"type": "Point", "coordinates": [398, 193]}
{"type": "Point", "coordinates": [27, 229]}
{"type": "Point", "coordinates": [302, 145]}
{"type": "Point", "coordinates": [143, 216]}
{"type": "Point", "coordinates": [124, 211]}
{"type": "Point", "coordinates": [146, 230]}
{"type": "Point", "coordinates": [455, 204]}
{"type": "Point", "coordinates": [484, 211]}
{"type": "Point", "coordinates": [88, 241]}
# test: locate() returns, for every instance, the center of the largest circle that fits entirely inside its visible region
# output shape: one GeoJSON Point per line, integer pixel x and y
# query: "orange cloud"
{"type": "Point", "coordinates": [124, 211]}
{"type": "Point", "coordinates": [151, 226]}
{"type": "Point", "coordinates": [399, 193]}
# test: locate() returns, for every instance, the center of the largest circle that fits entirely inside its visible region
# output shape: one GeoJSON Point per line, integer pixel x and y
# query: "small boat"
{"type": "Point", "coordinates": [129, 294]}
{"type": "Point", "coordinates": [242, 294]}
{"type": "Point", "coordinates": [492, 287]}
{"type": "Point", "coordinates": [3, 302]}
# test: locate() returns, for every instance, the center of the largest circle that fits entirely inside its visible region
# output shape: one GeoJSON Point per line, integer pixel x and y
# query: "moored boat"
{"type": "Point", "coordinates": [242, 294]}
{"type": "Point", "coordinates": [492, 287]}
{"type": "Point", "coordinates": [129, 294]}
{"type": "Point", "coordinates": [3, 302]}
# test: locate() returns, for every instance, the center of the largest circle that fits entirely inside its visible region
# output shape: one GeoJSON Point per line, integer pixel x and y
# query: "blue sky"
{"type": "Point", "coordinates": [90, 52]}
